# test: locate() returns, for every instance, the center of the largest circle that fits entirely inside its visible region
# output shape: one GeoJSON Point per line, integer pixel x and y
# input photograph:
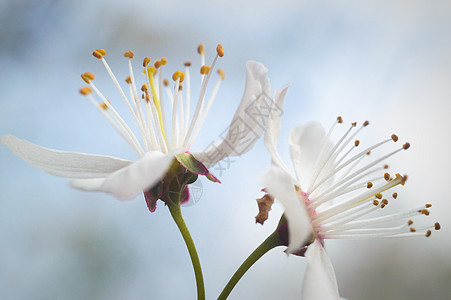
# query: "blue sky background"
{"type": "Point", "coordinates": [386, 61]}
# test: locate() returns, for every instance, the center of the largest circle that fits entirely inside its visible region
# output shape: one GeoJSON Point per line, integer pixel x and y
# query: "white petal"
{"type": "Point", "coordinates": [280, 185]}
{"type": "Point", "coordinates": [250, 119]}
{"type": "Point", "coordinates": [319, 279]}
{"type": "Point", "coordinates": [132, 180]}
{"type": "Point", "coordinates": [306, 143]}
{"type": "Point", "coordinates": [273, 130]}
{"type": "Point", "coordinates": [61, 163]}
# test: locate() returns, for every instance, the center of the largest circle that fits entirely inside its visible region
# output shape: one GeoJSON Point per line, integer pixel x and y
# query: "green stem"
{"type": "Point", "coordinates": [271, 242]}
{"type": "Point", "coordinates": [176, 214]}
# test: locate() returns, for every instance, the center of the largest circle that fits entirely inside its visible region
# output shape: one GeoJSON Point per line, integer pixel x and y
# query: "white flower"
{"type": "Point", "coordinates": [332, 195]}
{"type": "Point", "coordinates": [164, 132]}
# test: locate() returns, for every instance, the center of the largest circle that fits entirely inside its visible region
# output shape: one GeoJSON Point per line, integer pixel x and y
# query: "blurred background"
{"type": "Point", "coordinates": [385, 61]}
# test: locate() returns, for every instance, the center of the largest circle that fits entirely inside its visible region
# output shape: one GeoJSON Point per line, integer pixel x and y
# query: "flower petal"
{"type": "Point", "coordinates": [132, 180]}
{"type": "Point", "coordinates": [249, 121]}
{"type": "Point", "coordinates": [319, 279]}
{"type": "Point", "coordinates": [61, 163]}
{"type": "Point", "coordinates": [273, 130]}
{"type": "Point", "coordinates": [281, 186]}
{"type": "Point", "coordinates": [306, 143]}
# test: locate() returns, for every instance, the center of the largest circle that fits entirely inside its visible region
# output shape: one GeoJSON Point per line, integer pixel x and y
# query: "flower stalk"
{"type": "Point", "coordinates": [176, 214]}
{"type": "Point", "coordinates": [271, 242]}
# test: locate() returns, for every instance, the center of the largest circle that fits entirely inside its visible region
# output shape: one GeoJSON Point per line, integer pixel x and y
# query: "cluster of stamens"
{"type": "Point", "coordinates": [342, 193]}
{"type": "Point", "coordinates": [148, 109]}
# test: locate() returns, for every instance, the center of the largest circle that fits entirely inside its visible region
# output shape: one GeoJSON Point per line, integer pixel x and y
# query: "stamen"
{"type": "Point", "coordinates": [220, 50]}
{"type": "Point", "coordinates": [87, 77]}
{"type": "Point", "coordinates": [204, 70]}
{"type": "Point", "coordinates": [99, 53]}
{"type": "Point", "coordinates": [221, 74]}
{"type": "Point", "coordinates": [437, 226]}
{"type": "Point", "coordinates": [424, 212]}
{"type": "Point", "coordinates": [129, 54]}
{"type": "Point", "coordinates": [210, 101]}
{"type": "Point", "coordinates": [394, 137]}
{"type": "Point", "coordinates": [200, 102]}
{"type": "Point", "coordinates": [132, 138]}
{"type": "Point", "coordinates": [201, 51]}
{"type": "Point", "coordinates": [85, 91]}
{"type": "Point", "coordinates": [146, 61]}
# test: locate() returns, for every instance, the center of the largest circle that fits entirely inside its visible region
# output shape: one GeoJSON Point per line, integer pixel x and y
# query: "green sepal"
{"type": "Point", "coordinates": [190, 163]}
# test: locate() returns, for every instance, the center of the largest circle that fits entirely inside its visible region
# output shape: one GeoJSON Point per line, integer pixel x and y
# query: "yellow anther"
{"type": "Point", "coordinates": [369, 185]}
{"type": "Point", "coordinates": [87, 77]}
{"type": "Point", "coordinates": [221, 73]}
{"type": "Point", "coordinates": [386, 166]}
{"type": "Point", "coordinates": [366, 123]}
{"type": "Point", "coordinates": [85, 91]}
{"type": "Point", "coordinates": [220, 50]}
{"type": "Point", "coordinates": [99, 53]}
{"type": "Point", "coordinates": [163, 60]}
{"type": "Point", "coordinates": [354, 124]}
{"type": "Point", "coordinates": [382, 205]}
{"type": "Point", "coordinates": [387, 176]}
{"type": "Point", "coordinates": [356, 143]}
{"type": "Point", "coordinates": [412, 229]}
{"type": "Point", "coordinates": [424, 211]}
{"type": "Point", "coordinates": [204, 69]}
{"type": "Point", "coordinates": [437, 226]}
{"type": "Point", "coordinates": [166, 82]}
{"type": "Point", "coordinates": [200, 49]}
{"type": "Point", "coordinates": [150, 70]}
{"type": "Point", "coordinates": [187, 64]}
{"type": "Point", "coordinates": [129, 54]}
{"type": "Point", "coordinates": [146, 61]}
{"type": "Point", "coordinates": [339, 119]}
{"type": "Point", "coordinates": [144, 87]}
{"type": "Point", "coordinates": [410, 222]}
{"type": "Point", "coordinates": [395, 195]}
{"type": "Point", "coordinates": [384, 201]}
{"type": "Point", "coordinates": [375, 202]}
{"type": "Point", "coordinates": [378, 196]}
{"type": "Point", "coordinates": [178, 75]}
{"type": "Point", "coordinates": [428, 205]}
{"type": "Point", "coordinates": [394, 137]}
{"type": "Point", "coordinates": [103, 106]}
{"type": "Point", "coordinates": [402, 179]}
{"type": "Point", "coordinates": [406, 146]}
{"type": "Point", "coordinates": [428, 233]}
{"type": "Point", "coordinates": [128, 80]}
{"type": "Point", "coordinates": [157, 64]}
